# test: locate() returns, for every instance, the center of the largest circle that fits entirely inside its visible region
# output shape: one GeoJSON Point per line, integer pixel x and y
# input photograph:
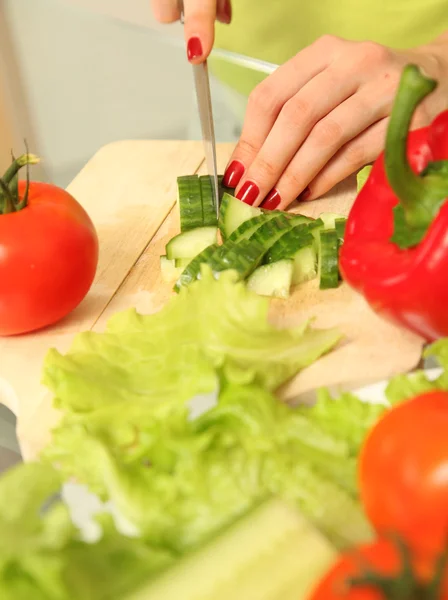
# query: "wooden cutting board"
{"type": "Point", "coordinates": [129, 189]}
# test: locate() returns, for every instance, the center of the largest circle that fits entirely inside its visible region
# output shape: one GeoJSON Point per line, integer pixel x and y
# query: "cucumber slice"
{"type": "Point", "coordinates": [190, 202]}
{"type": "Point", "coordinates": [328, 259]}
{"type": "Point", "coordinates": [329, 219]}
{"type": "Point", "coordinates": [289, 243]}
{"type": "Point", "coordinates": [191, 272]}
{"type": "Point", "coordinates": [243, 257]}
{"type": "Point", "coordinates": [190, 243]}
{"type": "Point", "coordinates": [168, 270]}
{"type": "Point", "coordinates": [270, 232]}
{"type": "Point", "coordinates": [339, 225]}
{"type": "Point", "coordinates": [272, 280]}
{"type": "Point", "coordinates": [304, 264]}
{"type": "Point", "coordinates": [182, 262]}
{"type": "Point", "coordinates": [209, 217]}
{"type": "Point", "coordinates": [300, 220]}
{"type": "Point", "coordinates": [246, 229]}
{"type": "Point", "coordinates": [272, 553]}
{"type": "Point", "coordinates": [233, 212]}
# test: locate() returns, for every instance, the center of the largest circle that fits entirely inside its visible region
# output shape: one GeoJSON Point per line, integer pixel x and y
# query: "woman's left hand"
{"type": "Point", "coordinates": [323, 115]}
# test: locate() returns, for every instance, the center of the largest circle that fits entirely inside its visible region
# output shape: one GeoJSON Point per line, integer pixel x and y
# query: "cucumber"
{"type": "Point", "coordinates": [304, 264]}
{"type": "Point", "coordinates": [247, 228]}
{"type": "Point", "coordinates": [289, 243]}
{"type": "Point", "coordinates": [272, 280]}
{"type": "Point", "coordinates": [300, 219]}
{"type": "Point", "coordinates": [329, 219]}
{"type": "Point", "coordinates": [243, 257]}
{"type": "Point", "coordinates": [190, 243]}
{"type": "Point", "coordinates": [233, 212]}
{"type": "Point", "coordinates": [271, 553]}
{"type": "Point", "coordinates": [182, 262]}
{"type": "Point", "coordinates": [329, 259]}
{"type": "Point", "coordinates": [190, 202]}
{"type": "Point", "coordinates": [168, 270]}
{"type": "Point", "coordinates": [191, 272]}
{"type": "Point", "coordinates": [209, 217]}
{"type": "Point", "coordinates": [271, 231]}
{"type": "Point", "coordinates": [339, 225]}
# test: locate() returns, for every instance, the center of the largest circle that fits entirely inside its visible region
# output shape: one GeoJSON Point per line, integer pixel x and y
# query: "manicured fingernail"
{"type": "Point", "coordinates": [227, 11]}
{"type": "Point", "coordinates": [305, 194]}
{"type": "Point", "coordinates": [249, 192]}
{"type": "Point", "coordinates": [233, 174]}
{"type": "Point", "coordinates": [272, 200]}
{"type": "Point", "coordinates": [194, 48]}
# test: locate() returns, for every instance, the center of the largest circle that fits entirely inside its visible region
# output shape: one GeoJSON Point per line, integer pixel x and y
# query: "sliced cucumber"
{"type": "Point", "coordinates": [271, 231]}
{"type": "Point", "coordinates": [304, 264]}
{"type": "Point", "coordinates": [233, 212]}
{"type": "Point", "coordinates": [329, 259]}
{"type": "Point", "coordinates": [243, 257]}
{"type": "Point", "coordinates": [339, 225]}
{"type": "Point", "coordinates": [329, 219]}
{"type": "Point", "coordinates": [289, 243]}
{"type": "Point", "coordinates": [300, 219]}
{"type": "Point", "coordinates": [272, 553]}
{"type": "Point", "coordinates": [181, 263]}
{"type": "Point", "coordinates": [190, 202]}
{"type": "Point", "coordinates": [190, 243]}
{"type": "Point", "coordinates": [209, 216]}
{"type": "Point", "coordinates": [168, 270]}
{"type": "Point", "coordinates": [192, 270]}
{"type": "Point", "coordinates": [272, 280]}
{"type": "Point", "coordinates": [247, 228]}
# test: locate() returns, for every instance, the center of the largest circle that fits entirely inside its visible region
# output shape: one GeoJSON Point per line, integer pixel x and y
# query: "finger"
{"type": "Point", "coordinates": [344, 123]}
{"type": "Point", "coordinates": [199, 28]}
{"type": "Point", "coordinates": [224, 11]}
{"type": "Point", "coordinates": [360, 151]}
{"type": "Point", "coordinates": [165, 11]}
{"type": "Point", "coordinates": [268, 98]}
{"type": "Point", "coordinates": [296, 120]}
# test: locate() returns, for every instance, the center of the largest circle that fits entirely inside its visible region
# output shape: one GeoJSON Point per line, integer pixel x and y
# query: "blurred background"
{"type": "Point", "coordinates": [78, 74]}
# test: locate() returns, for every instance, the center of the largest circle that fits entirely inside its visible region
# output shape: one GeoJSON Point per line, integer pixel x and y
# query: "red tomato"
{"type": "Point", "coordinates": [404, 473]}
{"type": "Point", "coordinates": [381, 559]}
{"type": "Point", "coordinates": [48, 259]}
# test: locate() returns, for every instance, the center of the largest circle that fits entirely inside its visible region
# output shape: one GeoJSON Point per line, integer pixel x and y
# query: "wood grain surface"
{"type": "Point", "coordinates": [129, 189]}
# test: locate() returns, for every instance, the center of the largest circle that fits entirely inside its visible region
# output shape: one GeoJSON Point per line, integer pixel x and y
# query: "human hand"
{"type": "Point", "coordinates": [323, 115]}
{"type": "Point", "coordinates": [199, 26]}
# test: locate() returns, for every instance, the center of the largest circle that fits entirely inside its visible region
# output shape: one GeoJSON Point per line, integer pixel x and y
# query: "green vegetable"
{"type": "Point", "coordinates": [190, 202]}
{"type": "Point", "coordinates": [362, 177]}
{"type": "Point", "coordinates": [272, 280]}
{"type": "Point", "coordinates": [233, 212]}
{"type": "Point", "coordinates": [329, 259]}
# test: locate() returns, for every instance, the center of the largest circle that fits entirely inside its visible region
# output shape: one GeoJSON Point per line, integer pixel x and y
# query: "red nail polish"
{"type": "Point", "coordinates": [194, 48]}
{"type": "Point", "coordinates": [249, 192]}
{"type": "Point", "coordinates": [233, 174]}
{"type": "Point", "coordinates": [305, 194]}
{"type": "Point", "coordinates": [272, 200]}
{"type": "Point", "coordinates": [227, 11]}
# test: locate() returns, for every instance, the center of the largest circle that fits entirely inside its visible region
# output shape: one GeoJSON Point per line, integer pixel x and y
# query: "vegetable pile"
{"type": "Point", "coordinates": [270, 250]}
{"type": "Point", "coordinates": [48, 252]}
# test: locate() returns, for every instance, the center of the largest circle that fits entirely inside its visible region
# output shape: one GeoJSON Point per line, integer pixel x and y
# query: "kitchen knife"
{"type": "Point", "coordinates": [202, 84]}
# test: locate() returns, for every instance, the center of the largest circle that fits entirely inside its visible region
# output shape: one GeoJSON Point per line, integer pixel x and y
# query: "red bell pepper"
{"type": "Point", "coordinates": [408, 285]}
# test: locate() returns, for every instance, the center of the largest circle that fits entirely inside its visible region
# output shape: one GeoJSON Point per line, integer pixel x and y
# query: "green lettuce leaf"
{"type": "Point", "coordinates": [212, 329]}
{"type": "Point", "coordinates": [41, 555]}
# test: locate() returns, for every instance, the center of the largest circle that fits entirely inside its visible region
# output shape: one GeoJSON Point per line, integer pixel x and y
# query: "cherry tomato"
{"type": "Point", "coordinates": [404, 473]}
{"type": "Point", "coordinates": [381, 561]}
{"type": "Point", "coordinates": [48, 259]}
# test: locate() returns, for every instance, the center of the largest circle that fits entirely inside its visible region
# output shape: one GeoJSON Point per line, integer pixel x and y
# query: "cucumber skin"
{"type": "Point", "coordinates": [209, 216]}
{"type": "Point", "coordinates": [190, 202]}
{"type": "Point", "coordinates": [191, 271]}
{"type": "Point", "coordinates": [230, 203]}
{"type": "Point", "coordinates": [247, 228]}
{"type": "Point", "coordinates": [270, 232]}
{"type": "Point", "coordinates": [329, 259]}
{"type": "Point", "coordinates": [243, 257]}
{"type": "Point", "coordinates": [289, 243]}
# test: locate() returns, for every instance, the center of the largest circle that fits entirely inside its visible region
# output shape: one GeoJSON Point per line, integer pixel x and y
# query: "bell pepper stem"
{"type": "Point", "coordinates": [409, 187]}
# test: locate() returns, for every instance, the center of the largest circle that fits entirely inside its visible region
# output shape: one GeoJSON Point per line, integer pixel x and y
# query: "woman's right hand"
{"type": "Point", "coordinates": [199, 26]}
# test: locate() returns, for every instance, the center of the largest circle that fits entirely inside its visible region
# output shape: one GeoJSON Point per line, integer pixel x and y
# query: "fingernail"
{"type": "Point", "coordinates": [272, 200]}
{"type": "Point", "coordinates": [233, 174]}
{"type": "Point", "coordinates": [249, 192]}
{"type": "Point", "coordinates": [194, 48]}
{"type": "Point", "coordinates": [227, 11]}
{"type": "Point", "coordinates": [305, 194]}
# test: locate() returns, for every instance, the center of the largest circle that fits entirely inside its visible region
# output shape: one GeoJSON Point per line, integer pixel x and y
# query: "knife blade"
{"type": "Point", "coordinates": [204, 99]}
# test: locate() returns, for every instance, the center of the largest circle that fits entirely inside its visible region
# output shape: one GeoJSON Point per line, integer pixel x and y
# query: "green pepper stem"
{"type": "Point", "coordinates": [409, 187]}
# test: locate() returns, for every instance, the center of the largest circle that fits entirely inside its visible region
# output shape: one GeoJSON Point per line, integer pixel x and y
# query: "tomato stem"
{"type": "Point", "coordinates": [9, 190]}
{"type": "Point", "coordinates": [8, 201]}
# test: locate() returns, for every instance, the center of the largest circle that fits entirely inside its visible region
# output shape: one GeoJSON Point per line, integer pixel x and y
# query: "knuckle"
{"type": "Point", "coordinates": [262, 99]}
{"type": "Point", "coordinates": [266, 169]}
{"type": "Point", "coordinates": [293, 182]}
{"type": "Point", "coordinates": [246, 148]}
{"type": "Point", "coordinates": [355, 155]}
{"type": "Point", "coordinates": [297, 111]}
{"type": "Point", "coordinates": [374, 53]}
{"type": "Point", "coordinates": [328, 133]}
{"type": "Point", "coordinates": [328, 42]}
